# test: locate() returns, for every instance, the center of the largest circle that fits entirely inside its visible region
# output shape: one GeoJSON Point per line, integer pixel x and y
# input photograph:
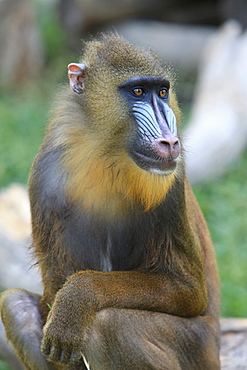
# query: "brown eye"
{"type": "Point", "coordinates": [138, 91]}
{"type": "Point", "coordinates": [163, 93]}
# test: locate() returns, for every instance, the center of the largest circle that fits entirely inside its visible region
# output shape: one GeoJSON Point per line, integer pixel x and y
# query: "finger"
{"type": "Point", "coordinates": [55, 353]}
{"type": "Point", "coordinates": [65, 356]}
{"type": "Point", "coordinates": [46, 347]}
{"type": "Point", "coordinates": [76, 355]}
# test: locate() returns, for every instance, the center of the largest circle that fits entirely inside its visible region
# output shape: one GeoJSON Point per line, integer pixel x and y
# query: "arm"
{"type": "Point", "coordinates": [87, 292]}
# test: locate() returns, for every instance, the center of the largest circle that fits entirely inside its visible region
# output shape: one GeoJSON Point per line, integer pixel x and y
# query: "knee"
{"type": "Point", "coordinates": [101, 339]}
{"type": "Point", "coordinates": [19, 306]}
{"type": "Point", "coordinates": [11, 301]}
{"type": "Point", "coordinates": [102, 326]}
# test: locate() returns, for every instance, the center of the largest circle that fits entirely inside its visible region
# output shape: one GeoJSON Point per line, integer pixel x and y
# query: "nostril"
{"type": "Point", "coordinates": [175, 145]}
{"type": "Point", "coordinates": [169, 138]}
{"type": "Point", "coordinates": [171, 144]}
{"type": "Point", "coordinates": [175, 149]}
{"type": "Point", "coordinates": [165, 143]}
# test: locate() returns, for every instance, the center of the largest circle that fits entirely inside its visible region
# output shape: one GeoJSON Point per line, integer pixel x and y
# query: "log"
{"type": "Point", "coordinates": [233, 343]}
{"type": "Point", "coordinates": [16, 262]}
{"type": "Point", "coordinates": [217, 130]}
{"type": "Point", "coordinates": [169, 41]}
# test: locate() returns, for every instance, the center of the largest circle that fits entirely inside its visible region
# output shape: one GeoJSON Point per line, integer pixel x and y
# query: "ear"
{"type": "Point", "coordinates": [76, 73]}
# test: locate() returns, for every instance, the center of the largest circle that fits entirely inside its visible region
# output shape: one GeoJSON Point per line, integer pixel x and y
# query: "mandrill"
{"type": "Point", "coordinates": [127, 264]}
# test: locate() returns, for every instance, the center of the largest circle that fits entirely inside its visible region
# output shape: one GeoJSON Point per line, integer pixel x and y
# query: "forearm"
{"type": "Point", "coordinates": [137, 290]}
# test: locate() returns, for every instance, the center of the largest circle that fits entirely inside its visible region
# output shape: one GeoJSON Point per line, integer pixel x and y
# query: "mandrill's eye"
{"type": "Point", "coordinates": [138, 91]}
{"type": "Point", "coordinates": [163, 93]}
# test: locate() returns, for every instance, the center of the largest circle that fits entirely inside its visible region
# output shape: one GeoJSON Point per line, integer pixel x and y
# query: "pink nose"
{"type": "Point", "coordinates": [168, 147]}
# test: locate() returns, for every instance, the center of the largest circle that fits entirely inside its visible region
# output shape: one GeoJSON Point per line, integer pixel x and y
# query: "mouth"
{"type": "Point", "coordinates": [157, 165]}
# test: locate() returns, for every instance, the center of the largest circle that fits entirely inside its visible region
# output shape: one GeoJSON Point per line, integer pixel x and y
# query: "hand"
{"type": "Point", "coordinates": [68, 323]}
{"type": "Point", "coordinates": [62, 341]}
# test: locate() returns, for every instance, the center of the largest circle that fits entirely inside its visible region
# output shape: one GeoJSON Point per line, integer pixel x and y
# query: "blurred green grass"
{"type": "Point", "coordinates": [22, 128]}
{"type": "Point", "coordinates": [4, 366]}
{"type": "Point", "coordinates": [223, 201]}
{"type": "Point", "coordinates": [224, 204]}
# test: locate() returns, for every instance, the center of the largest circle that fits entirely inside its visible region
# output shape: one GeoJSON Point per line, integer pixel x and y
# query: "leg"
{"type": "Point", "coordinates": [23, 325]}
{"type": "Point", "coordinates": [135, 340]}
{"type": "Point", "coordinates": [119, 339]}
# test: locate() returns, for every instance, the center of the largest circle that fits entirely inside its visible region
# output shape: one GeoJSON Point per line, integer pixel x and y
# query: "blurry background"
{"type": "Point", "coordinates": [205, 42]}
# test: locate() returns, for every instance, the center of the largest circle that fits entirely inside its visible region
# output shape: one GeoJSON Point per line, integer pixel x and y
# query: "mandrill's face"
{"type": "Point", "coordinates": [155, 147]}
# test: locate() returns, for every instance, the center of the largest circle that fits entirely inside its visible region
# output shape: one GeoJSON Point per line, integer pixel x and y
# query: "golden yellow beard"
{"type": "Point", "coordinates": [113, 184]}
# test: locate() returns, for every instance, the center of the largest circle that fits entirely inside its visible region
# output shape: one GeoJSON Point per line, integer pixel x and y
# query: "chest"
{"type": "Point", "coordinates": [123, 244]}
